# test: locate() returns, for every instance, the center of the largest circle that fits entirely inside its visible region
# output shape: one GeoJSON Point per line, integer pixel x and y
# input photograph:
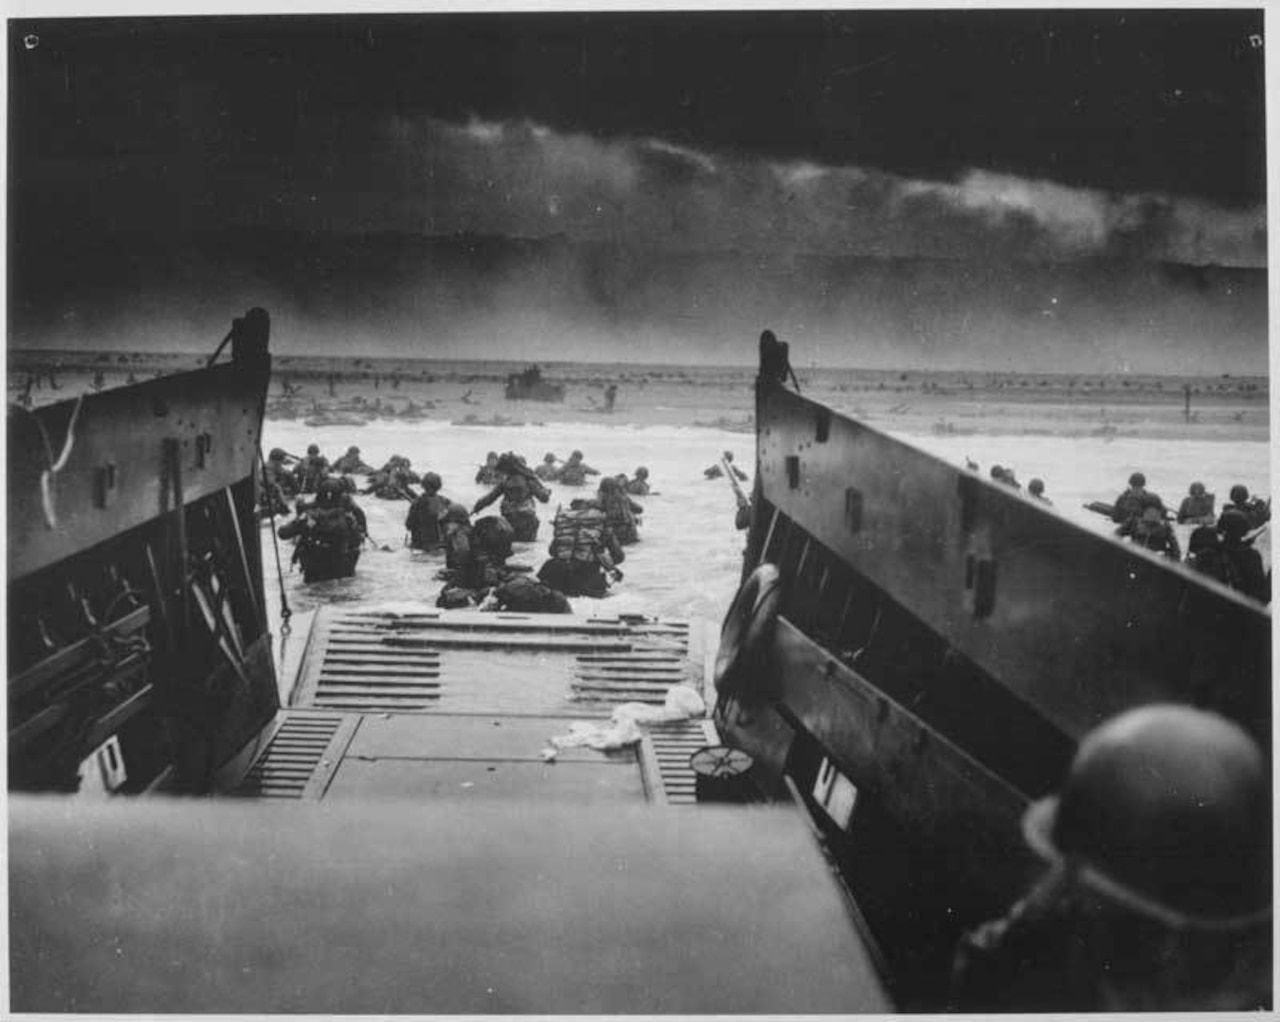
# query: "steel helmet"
{"type": "Point", "coordinates": [431, 482]}
{"type": "Point", "coordinates": [549, 458]}
{"type": "Point", "coordinates": [1165, 811]}
{"type": "Point", "coordinates": [1239, 493]}
{"type": "Point", "coordinates": [642, 473]}
{"type": "Point", "coordinates": [455, 512]}
{"type": "Point", "coordinates": [313, 449]}
{"type": "Point", "coordinates": [1137, 480]}
{"type": "Point", "coordinates": [353, 449]}
{"type": "Point", "coordinates": [1233, 524]}
{"type": "Point", "coordinates": [1036, 486]}
{"type": "Point", "coordinates": [1197, 490]}
{"type": "Point", "coordinates": [277, 454]}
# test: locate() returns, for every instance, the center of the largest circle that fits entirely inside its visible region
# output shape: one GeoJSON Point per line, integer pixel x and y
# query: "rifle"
{"type": "Point", "coordinates": [733, 481]}
{"type": "Point", "coordinates": [742, 519]}
{"type": "Point", "coordinates": [1100, 507]}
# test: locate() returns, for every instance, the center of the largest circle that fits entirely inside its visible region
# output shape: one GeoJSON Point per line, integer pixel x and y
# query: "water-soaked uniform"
{"type": "Point", "coordinates": [1196, 508]}
{"type": "Point", "coordinates": [423, 521]}
{"type": "Point", "coordinates": [309, 471]}
{"type": "Point", "coordinates": [278, 484]}
{"type": "Point", "coordinates": [489, 474]}
{"type": "Point", "coordinates": [582, 550]}
{"type": "Point", "coordinates": [518, 491]}
{"type": "Point", "coordinates": [639, 486]}
{"type": "Point", "coordinates": [327, 537]}
{"type": "Point", "coordinates": [394, 481]}
{"type": "Point", "coordinates": [351, 462]}
{"type": "Point", "coordinates": [620, 512]}
{"type": "Point", "coordinates": [548, 471]}
{"type": "Point", "coordinates": [574, 472]}
{"type": "Point", "coordinates": [1133, 502]}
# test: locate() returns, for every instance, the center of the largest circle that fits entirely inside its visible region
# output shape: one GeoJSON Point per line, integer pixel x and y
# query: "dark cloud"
{"type": "Point", "coordinates": [880, 186]}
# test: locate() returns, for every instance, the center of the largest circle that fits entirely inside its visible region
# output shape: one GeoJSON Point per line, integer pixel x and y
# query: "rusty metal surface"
{"type": "Point", "coordinates": [114, 476]}
{"type": "Point", "coordinates": [1078, 625]}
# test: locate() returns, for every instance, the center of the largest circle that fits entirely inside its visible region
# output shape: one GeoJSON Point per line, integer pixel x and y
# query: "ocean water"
{"type": "Point", "coordinates": [688, 560]}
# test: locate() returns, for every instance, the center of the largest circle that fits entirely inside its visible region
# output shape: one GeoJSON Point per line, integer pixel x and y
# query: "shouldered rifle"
{"type": "Point", "coordinates": [733, 481]}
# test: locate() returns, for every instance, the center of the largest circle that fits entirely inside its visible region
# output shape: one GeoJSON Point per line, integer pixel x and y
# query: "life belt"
{"type": "Point", "coordinates": [747, 632]}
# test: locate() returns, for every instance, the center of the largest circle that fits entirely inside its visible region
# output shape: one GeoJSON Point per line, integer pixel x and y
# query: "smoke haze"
{"type": "Point", "coordinates": [508, 239]}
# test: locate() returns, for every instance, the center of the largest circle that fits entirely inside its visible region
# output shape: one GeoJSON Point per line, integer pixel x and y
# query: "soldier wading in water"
{"type": "Point", "coordinates": [584, 554]}
{"type": "Point", "coordinates": [518, 487]}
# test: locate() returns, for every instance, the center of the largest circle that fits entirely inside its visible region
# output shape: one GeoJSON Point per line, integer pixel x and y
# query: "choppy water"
{"type": "Point", "coordinates": [689, 556]}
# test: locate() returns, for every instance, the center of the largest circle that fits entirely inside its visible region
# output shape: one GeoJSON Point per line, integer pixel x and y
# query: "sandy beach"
{"type": "Point", "coordinates": [355, 391]}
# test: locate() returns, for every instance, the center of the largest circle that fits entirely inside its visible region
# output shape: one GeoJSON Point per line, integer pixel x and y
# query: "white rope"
{"type": "Point", "coordinates": [46, 476]}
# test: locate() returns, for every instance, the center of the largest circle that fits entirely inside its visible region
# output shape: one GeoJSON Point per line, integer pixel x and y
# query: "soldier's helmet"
{"type": "Point", "coordinates": [1154, 800]}
{"type": "Point", "coordinates": [1239, 494]}
{"type": "Point", "coordinates": [1233, 524]}
{"type": "Point", "coordinates": [455, 512]}
{"type": "Point", "coordinates": [431, 482]}
{"type": "Point", "coordinates": [549, 458]}
{"type": "Point", "coordinates": [277, 454]}
{"type": "Point", "coordinates": [1137, 480]}
{"type": "Point", "coordinates": [491, 457]}
{"type": "Point", "coordinates": [329, 489]}
{"type": "Point", "coordinates": [1036, 486]}
{"type": "Point", "coordinates": [1197, 490]}
{"type": "Point", "coordinates": [575, 456]}
{"type": "Point", "coordinates": [353, 450]}
{"type": "Point", "coordinates": [642, 473]}
{"type": "Point", "coordinates": [313, 449]}
{"type": "Point", "coordinates": [508, 463]}
{"type": "Point", "coordinates": [494, 534]}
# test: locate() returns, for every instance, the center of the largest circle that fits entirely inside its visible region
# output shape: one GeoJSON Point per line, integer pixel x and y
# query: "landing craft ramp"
{"type": "Point", "coordinates": [426, 703]}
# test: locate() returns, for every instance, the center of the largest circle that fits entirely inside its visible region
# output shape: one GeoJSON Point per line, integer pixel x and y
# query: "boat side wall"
{"type": "Point", "coordinates": [1079, 626]}
{"type": "Point", "coordinates": [115, 476]}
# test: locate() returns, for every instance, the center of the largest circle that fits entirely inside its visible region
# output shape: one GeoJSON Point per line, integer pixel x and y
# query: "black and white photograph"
{"type": "Point", "coordinates": [638, 511]}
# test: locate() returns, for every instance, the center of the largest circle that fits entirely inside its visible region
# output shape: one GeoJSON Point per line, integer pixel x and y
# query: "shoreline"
{"type": "Point", "coordinates": [945, 403]}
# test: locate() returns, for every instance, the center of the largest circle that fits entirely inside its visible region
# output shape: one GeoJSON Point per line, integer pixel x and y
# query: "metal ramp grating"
{"type": "Point", "coordinates": [657, 659]}
{"type": "Point", "coordinates": [669, 746]}
{"type": "Point", "coordinates": [428, 660]}
{"type": "Point", "coordinates": [292, 758]}
{"type": "Point", "coordinates": [359, 672]}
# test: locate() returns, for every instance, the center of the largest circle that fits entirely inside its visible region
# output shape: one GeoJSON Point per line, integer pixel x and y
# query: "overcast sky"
{"type": "Point", "coordinates": [1065, 132]}
{"type": "Point", "coordinates": [960, 134]}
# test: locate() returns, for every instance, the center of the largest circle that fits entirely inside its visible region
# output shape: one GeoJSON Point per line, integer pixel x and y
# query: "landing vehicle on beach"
{"type": "Point", "coordinates": [530, 386]}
